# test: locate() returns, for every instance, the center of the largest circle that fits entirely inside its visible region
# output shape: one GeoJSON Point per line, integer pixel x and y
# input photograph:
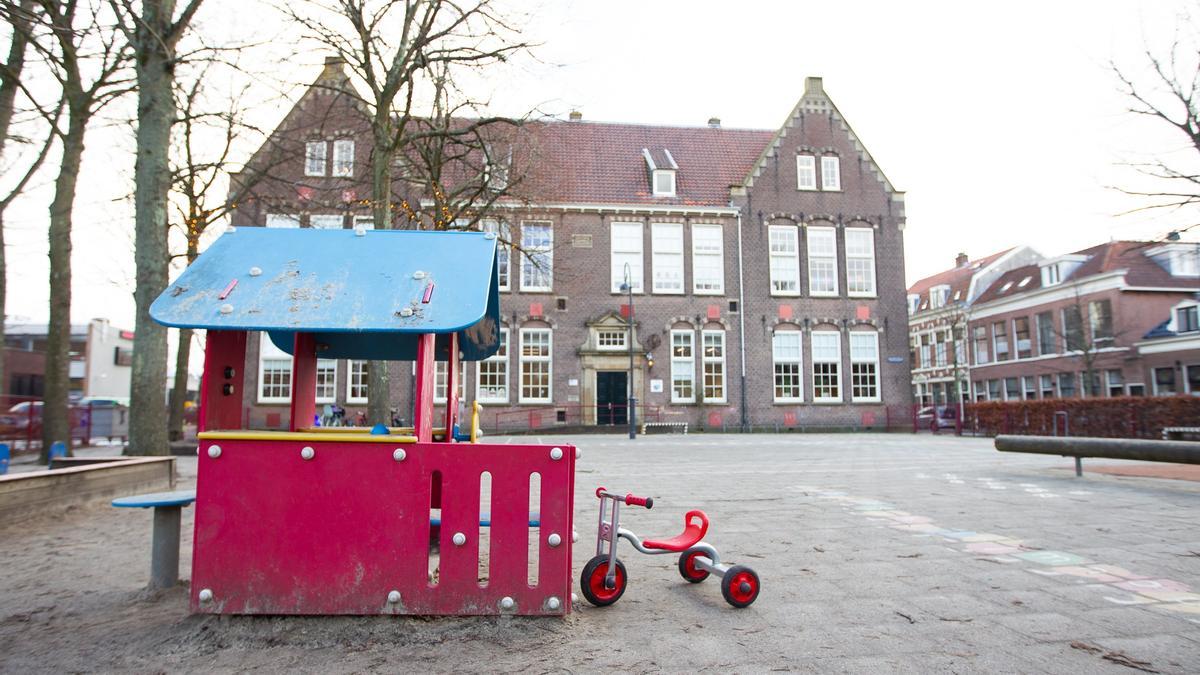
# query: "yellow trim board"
{"type": "Point", "coordinates": [299, 436]}
{"type": "Point", "coordinates": [402, 431]}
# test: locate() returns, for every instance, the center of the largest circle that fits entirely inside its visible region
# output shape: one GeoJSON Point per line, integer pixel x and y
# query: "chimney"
{"type": "Point", "coordinates": [575, 116]}
{"type": "Point", "coordinates": [714, 122]}
{"type": "Point", "coordinates": [334, 60]}
{"type": "Point", "coordinates": [960, 260]}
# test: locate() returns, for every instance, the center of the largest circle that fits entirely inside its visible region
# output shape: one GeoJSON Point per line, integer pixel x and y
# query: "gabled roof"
{"type": "Point", "coordinates": [365, 294]}
{"type": "Point", "coordinates": [957, 278]}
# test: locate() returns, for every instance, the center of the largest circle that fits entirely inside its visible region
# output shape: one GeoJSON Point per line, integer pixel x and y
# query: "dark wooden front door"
{"type": "Point", "coordinates": [611, 397]}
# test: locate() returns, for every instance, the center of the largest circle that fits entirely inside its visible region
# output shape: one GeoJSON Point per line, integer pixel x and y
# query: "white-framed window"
{"type": "Point", "coordinates": [274, 372]}
{"type": "Point", "coordinates": [1029, 386]}
{"type": "Point", "coordinates": [826, 366]}
{"type": "Point", "coordinates": [314, 158]}
{"type": "Point", "coordinates": [939, 347]}
{"type": "Point", "coordinates": [864, 366]}
{"type": "Point", "coordinates": [537, 256]}
{"type": "Point", "coordinates": [536, 365]}
{"type": "Point", "coordinates": [788, 356]}
{"type": "Point", "coordinates": [981, 345]}
{"type": "Point", "coordinates": [914, 302]}
{"type": "Point", "coordinates": [831, 173]}
{"type": "Point", "coordinates": [365, 222]}
{"type": "Point", "coordinates": [1187, 319]}
{"type": "Point", "coordinates": [860, 262]}
{"type": "Point", "coordinates": [939, 296]}
{"type": "Point", "coordinates": [708, 260]}
{"type": "Point", "coordinates": [491, 374]}
{"type": "Point", "coordinates": [1115, 381]}
{"type": "Point", "coordinates": [503, 250]}
{"type": "Point", "coordinates": [664, 183]}
{"type": "Point", "coordinates": [343, 157]}
{"type": "Point", "coordinates": [356, 381]}
{"type": "Point", "coordinates": [713, 363]}
{"type": "Point", "coordinates": [611, 339]}
{"type": "Point", "coordinates": [806, 172]}
{"type": "Point", "coordinates": [326, 380]}
{"type": "Point", "coordinates": [683, 366]}
{"type": "Point", "coordinates": [785, 259]}
{"type": "Point", "coordinates": [326, 221]}
{"type": "Point", "coordinates": [666, 241]}
{"type": "Point", "coordinates": [440, 370]}
{"type": "Point", "coordinates": [822, 261]}
{"type": "Point", "coordinates": [282, 220]}
{"type": "Point", "coordinates": [626, 250]}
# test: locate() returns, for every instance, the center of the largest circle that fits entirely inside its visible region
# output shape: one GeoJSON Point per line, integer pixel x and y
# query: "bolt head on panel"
{"type": "Point", "coordinates": [459, 539]}
{"type": "Point", "coordinates": [255, 271]}
{"type": "Point", "coordinates": [399, 454]}
{"type": "Point", "coordinates": [574, 597]}
{"type": "Point", "coordinates": [227, 308]}
{"type": "Point", "coordinates": [393, 597]}
{"type": "Point", "coordinates": [553, 603]}
{"type": "Point", "coordinates": [206, 595]}
{"type": "Point", "coordinates": [214, 451]}
{"type": "Point", "coordinates": [574, 536]}
{"type": "Point", "coordinates": [308, 453]}
{"type": "Point", "coordinates": [578, 453]}
{"type": "Point", "coordinates": [554, 539]}
{"type": "Point", "coordinates": [507, 603]}
{"type": "Point", "coordinates": [556, 454]}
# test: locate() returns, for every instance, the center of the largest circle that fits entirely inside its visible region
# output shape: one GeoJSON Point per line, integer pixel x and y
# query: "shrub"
{"type": "Point", "coordinates": [1123, 417]}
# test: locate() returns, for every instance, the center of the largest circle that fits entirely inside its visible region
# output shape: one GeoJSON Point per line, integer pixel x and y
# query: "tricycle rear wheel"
{"type": "Point", "coordinates": [740, 586]}
{"type": "Point", "coordinates": [687, 565]}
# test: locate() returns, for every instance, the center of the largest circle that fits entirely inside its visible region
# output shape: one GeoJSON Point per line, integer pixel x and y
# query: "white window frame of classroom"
{"type": "Point", "coordinates": [816, 234]}
{"type": "Point", "coordinates": [605, 342]}
{"type": "Point", "coordinates": [806, 172]}
{"type": "Point", "coordinates": [357, 380]}
{"type": "Point", "coordinates": [329, 366]}
{"type": "Point", "coordinates": [316, 154]}
{"type": "Point", "coordinates": [865, 259]}
{"type": "Point", "coordinates": [718, 362]}
{"type": "Point", "coordinates": [531, 253]}
{"type": "Point", "coordinates": [797, 362]}
{"type": "Point", "coordinates": [784, 265]}
{"type": "Point", "coordinates": [831, 173]}
{"type": "Point", "coordinates": [548, 359]}
{"type": "Point", "coordinates": [343, 158]}
{"type": "Point", "coordinates": [267, 351]}
{"type": "Point", "coordinates": [282, 220]}
{"type": "Point", "coordinates": [666, 243]}
{"type": "Point", "coordinates": [626, 247]}
{"type": "Point", "coordinates": [709, 246]}
{"type": "Point", "coordinates": [503, 250]}
{"type": "Point", "coordinates": [499, 361]}
{"type": "Point", "coordinates": [330, 221]}
{"type": "Point", "coordinates": [439, 381]}
{"type": "Point", "coordinates": [857, 358]}
{"type": "Point", "coordinates": [813, 339]}
{"type": "Point", "coordinates": [684, 361]}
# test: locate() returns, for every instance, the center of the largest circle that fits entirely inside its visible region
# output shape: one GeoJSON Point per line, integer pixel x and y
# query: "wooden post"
{"type": "Point", "coordinates": [423, 396]}
{"type": "Point", "coordinates": [452, 388]}
{"type": "Point", "coordinates": [221, 384]}
{"type": "Point", "coordinates": [304, 381]}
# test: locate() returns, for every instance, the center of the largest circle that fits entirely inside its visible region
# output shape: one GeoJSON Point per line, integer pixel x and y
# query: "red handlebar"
{"type": "Point", "coordinates": [647, 502]}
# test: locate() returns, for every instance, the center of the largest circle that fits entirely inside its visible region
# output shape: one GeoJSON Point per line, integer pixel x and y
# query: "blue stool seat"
{"type": "Point", "coordinates": [154, 499]}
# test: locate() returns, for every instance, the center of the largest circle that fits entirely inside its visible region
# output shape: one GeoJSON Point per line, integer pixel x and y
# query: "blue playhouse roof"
{"type": "Point", "coordinates": [365, 295]}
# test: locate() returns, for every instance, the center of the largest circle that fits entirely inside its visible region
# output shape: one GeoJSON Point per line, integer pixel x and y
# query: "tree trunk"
{"type": "Point", "coordinates": [152, 175]}
{"type": "Point", "coordinates": [56, 424]}
{"type": "Point", "coordinates": [379, 385]}
{"type": "Point", "coordinates": [183, 354]}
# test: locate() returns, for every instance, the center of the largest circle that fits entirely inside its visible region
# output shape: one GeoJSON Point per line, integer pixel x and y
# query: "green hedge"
{"type": "Point", "coordinates": [1124, 417]}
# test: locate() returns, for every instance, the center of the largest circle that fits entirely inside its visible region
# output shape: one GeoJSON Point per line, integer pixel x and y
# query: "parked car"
{"type": "Point", "coordinates": [937, 417]}
{"type": "Point", "coordinates": [22, 418]}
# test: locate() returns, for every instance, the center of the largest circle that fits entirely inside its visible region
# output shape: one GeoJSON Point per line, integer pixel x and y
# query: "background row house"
{"type": "Point", "coordinates": [766, 268]}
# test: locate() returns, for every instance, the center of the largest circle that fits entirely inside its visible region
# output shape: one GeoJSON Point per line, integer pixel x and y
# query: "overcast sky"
{"type": "Point", "coordinates": [1004, 126]}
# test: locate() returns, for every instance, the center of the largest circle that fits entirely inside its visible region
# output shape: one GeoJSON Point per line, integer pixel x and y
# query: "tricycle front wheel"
{"type": "Point", "coordinates": [591, 582]}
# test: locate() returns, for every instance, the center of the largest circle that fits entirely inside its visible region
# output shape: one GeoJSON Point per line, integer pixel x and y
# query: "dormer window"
{"type": "Point", "coordinates": [664, 183]}
{"type": "Point", "coordinates": [1180, 260]}
{"type": "Point", "coordinates": [1051, 275]}
{"type": "Point", "coordinates": [1187, 319]}
{"type": "Point", "coordinates": [938, 296]}
{"type": "Point", "coordinates": [1059, 269]}
{"type": "Point", "coordinates": [662, 168]}
{"type": "Point", "coordinates": [914, 302]}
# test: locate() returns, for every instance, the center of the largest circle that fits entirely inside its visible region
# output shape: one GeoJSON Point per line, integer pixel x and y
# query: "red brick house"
{"type": "Point", "coordinates": [767, 269]}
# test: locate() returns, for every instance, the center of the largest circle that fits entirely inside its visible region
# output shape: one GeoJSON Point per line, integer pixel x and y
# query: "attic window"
{"type": "Point", "coordinates": [662, 169]}
{"type": "Point", "coordinates": [1006, 286]}
{"type": "Point", "coordinates": [664, 183]}
{"type": "Point", "coordinates": [1024, 282]}
{"type": "Point", "coordinates": [957, 296]}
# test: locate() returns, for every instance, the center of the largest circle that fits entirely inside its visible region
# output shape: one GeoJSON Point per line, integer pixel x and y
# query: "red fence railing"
{"type": "Point", "coordinates": [21, 423]}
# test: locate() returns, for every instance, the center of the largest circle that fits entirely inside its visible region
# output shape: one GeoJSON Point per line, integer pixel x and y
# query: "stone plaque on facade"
{"type": "Point", "coordinates": [656, 386]}
{"type": "Point", "coordinates": [581, 241]}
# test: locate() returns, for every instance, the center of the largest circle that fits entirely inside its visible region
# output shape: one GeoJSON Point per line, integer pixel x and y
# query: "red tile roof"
{"type": "Point", "coordinates": [958, 278]}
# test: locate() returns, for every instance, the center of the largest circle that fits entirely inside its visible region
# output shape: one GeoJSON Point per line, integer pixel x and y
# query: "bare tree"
{"type": "Point", "coordinates": [407, 55]}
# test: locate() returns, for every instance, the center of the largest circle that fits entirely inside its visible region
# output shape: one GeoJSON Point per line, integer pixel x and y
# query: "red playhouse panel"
{"type": "Point", "coordinates": [304, 526]}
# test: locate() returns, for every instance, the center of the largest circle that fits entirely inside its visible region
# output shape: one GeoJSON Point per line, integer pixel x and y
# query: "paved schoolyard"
{"type": "Point", "coordinates": [878, 553]}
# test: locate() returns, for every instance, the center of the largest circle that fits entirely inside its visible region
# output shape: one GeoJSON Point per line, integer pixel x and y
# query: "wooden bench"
{"type": "Point", "coordinates": [670, 426]}
{"type": "Point", "coordinates": [164, 547]}
{"type": "Point", "coordinates": [1179, 433]}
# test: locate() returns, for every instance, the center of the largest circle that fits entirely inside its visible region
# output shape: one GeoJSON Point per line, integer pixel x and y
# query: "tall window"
{"type": "Point", "coordinates": [503, 250]}
{"type": "Point", "coordinates": [785, 259]}
{"type": "Point", "coordinates": [1012, 389]}
{"type": "Point", "coordinates": [274, 372]}
{"type": "Point", "coordinates": [926, 351]}
{"type": "Point", "coordinates": [537, 256]}
{"type": "Point", "coordinates": [708, 260]}
{"type": "Point", "coordinates": [1045, 327]}
{"type": "Point", "coordinates": [1066, 385]}
{"type": "Point", "coordinates": [1072, 319]}
{"type": "Point", "coordinates": [1000, 338]}
{"type": "Point", "coordinates": [535, 358]}
{"type": "Point", "coordinates": [1116, 382]}
{"type": "Point", "coordinates": [356, 383]}
{"type": "Point", "coordinates": [826, 368]}
{"type": "Point", "coordinates": [860, 261]}
{"type": "Point", "coordinates": [491, 374]}
{"type": "Point", "coordinates": [831, 173]}
{"type": "Point", "coordinates": [1029, 384]}
{"type": "Point", "coordinates": [806, 172]}
{"type": "Point", "coordinates": [666, 240]}
{"type": "Point", "coordinates": [960, 347]}
{"type": "Point", "coordinates": [939, 348]}
{"type": "Point", "coordinates": [864, 366]}
{"type": "Point", "coordinates": [440, 369]}
{"type": "Point", "coordinates": [1047, 382]}
{"type": "Point", "coordinates": [714, 365]}
{"type": "Point", "coordinates": [343, 158]}
{"type": "Point", "coordinates": [788, 356]}
{"type": "Point", "coordinates": [326, 380]}
{"type": "Point", "coordinates": [284, 220]}
{"type": "Point", "coordinates": [314, 158]}
{"type": "Point", "coordinates": [683, 366]}
{"type": "Point", "coordinates": [1021, 335]}
{"type": "Point", "coordinates": [1100, 317]}
{"type": "Point", "coordinates": [1193, 380]}
{"type": "Point", "coordinates": [626, 250]}
{"type": "Point", "coordinates": [326, 221]}
{"type": "Point", "coordinates": [1164, 381]}
{"type": "Point", "coordinates": [822, 261]}
{"type": "Point", "coordinates": [981, 345]}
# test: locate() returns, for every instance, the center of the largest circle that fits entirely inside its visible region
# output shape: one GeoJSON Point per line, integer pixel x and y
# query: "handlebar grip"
{"type": "Point", "coordinates": [647, 502]}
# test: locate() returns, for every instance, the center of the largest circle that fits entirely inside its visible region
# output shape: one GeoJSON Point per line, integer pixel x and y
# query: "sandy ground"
{"type": "Point", "coordinates": [845, 589]}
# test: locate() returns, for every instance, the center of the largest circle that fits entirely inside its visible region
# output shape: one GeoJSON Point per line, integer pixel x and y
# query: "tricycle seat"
{"type": "Point", "coordinates": [695, 524]}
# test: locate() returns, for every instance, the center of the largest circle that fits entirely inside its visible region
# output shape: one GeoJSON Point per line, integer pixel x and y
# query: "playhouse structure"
{"type": "Point", "coordinates": [363, 521]}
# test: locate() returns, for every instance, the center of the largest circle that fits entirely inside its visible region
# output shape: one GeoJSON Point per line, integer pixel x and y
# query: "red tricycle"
{"type": "Point", "coordinates": [604, 578]}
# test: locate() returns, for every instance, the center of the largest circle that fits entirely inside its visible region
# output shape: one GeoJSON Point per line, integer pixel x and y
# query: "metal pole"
{"type": "Point", "coordinates": [631, 399]}
{"type": "Point", "coordinates": [164, 548]}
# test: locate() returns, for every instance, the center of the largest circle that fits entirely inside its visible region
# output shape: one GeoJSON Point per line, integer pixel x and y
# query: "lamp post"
{"type": "Point", "coordinates": [631, 400]}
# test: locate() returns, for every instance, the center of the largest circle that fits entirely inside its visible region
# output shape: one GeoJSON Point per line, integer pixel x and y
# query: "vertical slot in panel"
{"type": "Point", "coordinates": [485, 530]}
{"type": "Point", "coordinates": [435, 533]}
{"type": "Point", "coordinates": [534, 512]}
